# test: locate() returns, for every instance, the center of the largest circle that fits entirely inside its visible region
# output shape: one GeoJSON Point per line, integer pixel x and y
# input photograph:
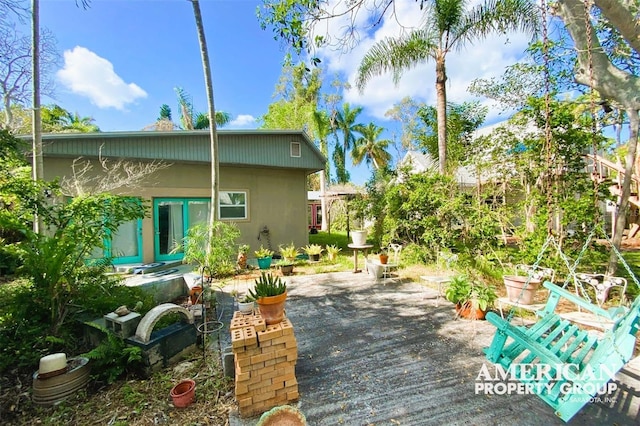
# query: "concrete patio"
{"type": "Point", "coordinates": [374, 354]}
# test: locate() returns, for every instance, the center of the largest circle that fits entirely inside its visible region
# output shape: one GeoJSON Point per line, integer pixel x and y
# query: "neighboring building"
{"type": "Point", "coordinates": [263, 175]}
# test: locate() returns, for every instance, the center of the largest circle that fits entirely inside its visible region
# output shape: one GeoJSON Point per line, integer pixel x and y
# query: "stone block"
{"type": "Point", "coordinates": [123, 326]}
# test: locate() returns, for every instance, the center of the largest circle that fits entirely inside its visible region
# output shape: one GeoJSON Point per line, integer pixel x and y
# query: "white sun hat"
{"type": "Point", "coordinates": [52, 365]}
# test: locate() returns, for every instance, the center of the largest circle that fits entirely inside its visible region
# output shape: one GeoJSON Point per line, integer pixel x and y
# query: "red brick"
{"type": "Point", "coordinates": [271, 332]}
{"type": "Point", "coordinates": [264, 396]}
{"type": "Point", "coordinates": [287, 327]}
{"type": "Point", "coordinates": [245, 402]}
{"type": "Point", "coordinates": [261, 384]}
{"type": "Point", "coordinates": [262, 357]}
{"type": "Point", "coordinates": [250, 336]}
{"type": "Point", "coordinates": [237, 338]}
{"type": "Point", "coordinates": [241, 389]}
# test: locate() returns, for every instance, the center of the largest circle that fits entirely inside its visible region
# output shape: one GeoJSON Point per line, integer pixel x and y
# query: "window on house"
{"type": "Point", "coordinates": [233, 205]}
{"type": "Point", "coordinates": [295, 149]}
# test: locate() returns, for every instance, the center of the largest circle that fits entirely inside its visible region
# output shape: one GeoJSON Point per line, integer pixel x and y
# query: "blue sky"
{"type": "Point", "coordinates": [121, 60]}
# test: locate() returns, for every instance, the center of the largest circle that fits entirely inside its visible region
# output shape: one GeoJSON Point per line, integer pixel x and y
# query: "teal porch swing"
{"type": "Point", "coordinates": [563, 364]}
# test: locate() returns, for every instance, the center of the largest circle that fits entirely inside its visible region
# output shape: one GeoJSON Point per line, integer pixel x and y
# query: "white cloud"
{"type": "Point", "coordinates": [243, 120]}
{"type": "Point", "coordinates": [89, 75]}
{"type": "Point", "coordinates": [487, 58]}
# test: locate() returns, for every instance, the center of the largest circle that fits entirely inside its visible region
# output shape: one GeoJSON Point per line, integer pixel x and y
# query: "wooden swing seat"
{"type": "Point", "coordinates": [561, 363]}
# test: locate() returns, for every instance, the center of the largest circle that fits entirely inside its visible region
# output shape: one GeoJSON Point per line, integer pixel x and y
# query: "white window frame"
{"type": "Point", "coordinates": [245, 205]}
{"type": "Point", "coordinates": [293, 151]}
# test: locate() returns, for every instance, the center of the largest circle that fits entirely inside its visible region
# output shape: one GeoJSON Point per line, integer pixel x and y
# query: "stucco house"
{"type": "Point", "coordinates": [263, 175]}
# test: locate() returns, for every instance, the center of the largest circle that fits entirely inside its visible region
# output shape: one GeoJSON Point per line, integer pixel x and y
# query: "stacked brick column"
{"type": "Point", "coordinates": [265, 357]}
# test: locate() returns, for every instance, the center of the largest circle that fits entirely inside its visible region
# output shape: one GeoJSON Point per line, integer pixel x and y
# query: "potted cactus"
{"type": "Point", "coordinates": [270, 293]}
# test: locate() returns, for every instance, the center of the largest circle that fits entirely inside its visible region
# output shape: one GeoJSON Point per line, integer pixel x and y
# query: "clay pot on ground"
{"type": "Point", "coordinates": [194, 294]}
{"type": "Point", "coordinates": [183, 393]}
{"type": "Point", "coordinates": [242, 260]}
{"type": "Point", "coordinates": [468, 311]}
{"type": "Point", "coordinates": [514, 285]}
{"type": "Point", "coordinates": [272, 308]}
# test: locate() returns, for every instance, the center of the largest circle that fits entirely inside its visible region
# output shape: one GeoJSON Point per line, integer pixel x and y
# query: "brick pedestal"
{"type": "Point", "coordinates": [265, 357]}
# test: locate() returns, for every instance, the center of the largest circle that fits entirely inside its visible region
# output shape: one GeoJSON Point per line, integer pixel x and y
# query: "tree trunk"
{"type": "Point", "coordinates": [37, 167]}
{"type": "Point", "coordinates": [215, 163]}
{"type": "Point", "coordinates": [441, 108]}
{"type": "Point", "coordinates": [608, 80]}
{"type": "Point", "coordinates": [623, 206]}
{"type": "Point", "coordinates": [323, 200]}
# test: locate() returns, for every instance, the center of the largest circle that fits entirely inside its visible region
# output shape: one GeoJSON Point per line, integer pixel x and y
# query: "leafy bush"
{"type": "Point", "coordinates": [113, 357]}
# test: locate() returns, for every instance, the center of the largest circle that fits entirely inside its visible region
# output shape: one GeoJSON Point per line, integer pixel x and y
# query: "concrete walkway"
{"type": "Point", "coordinates": [374, 354]}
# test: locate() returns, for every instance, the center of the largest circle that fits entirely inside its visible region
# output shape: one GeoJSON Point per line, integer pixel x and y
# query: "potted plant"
{"type": "Point", "coordinates": [522, 288]}
{"type": "Point", "coordinates": [313, 251]}
{"type": "Point", "coordinates": [264, 256]}
{"type": "Point", "coordinates": [359, 237]}
{"type": "Point", "coordinates": [246, 304]}
{"type": "Point", "coordinates": [332, 252]}
{"type": "Point", "coordinates": [384, 256]}
{"type": "Point", "coordinates": [241, 261]}
{"type": "Point", "coordinates": [286, 266]}
{"type": "Point", "coordinates": [270, 293]}
{"type": "Point", "coordinates": [472, 298]}
{"type": "Point", "coordinates": [289, 253]}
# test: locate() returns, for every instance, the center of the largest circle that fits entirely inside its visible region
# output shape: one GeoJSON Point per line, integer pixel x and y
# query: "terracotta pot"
{"type": "Point", "coordinates": [195, 293]}
{"type": "Point", "coordinates": [466, 310]}
{"type": "Point", "coordinates": [183, 393]}
{"type": "Point", "coordinates": [272, 308]}
{"type": "Point", "coordinates": [384, 258]}
{"type": "Point", "coordinates": [242, 260]}
{"type": "Point", "coordinates": [514, 285]}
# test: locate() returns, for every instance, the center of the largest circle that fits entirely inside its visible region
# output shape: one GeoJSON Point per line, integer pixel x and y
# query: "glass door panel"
{"type": "Point", "coordinates": [126, 242]}
{"type": "Point", "coordinates": [169, 229]}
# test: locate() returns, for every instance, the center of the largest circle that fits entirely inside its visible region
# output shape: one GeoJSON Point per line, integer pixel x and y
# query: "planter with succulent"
{"type": "Point", "coordinates": [285, 266]}
{"type": "Point", "coordinates": [264, 256]}
{"type": "Point", "coordinates": [472, 298]}
{"type": "Point", "coordinates": [241, 260]}
{"type": "Point", "coordinates": [332, 252]}
{"type": "Point", "coordinates": [289, 253]}
{"type": "Point", "coordinates": [246, 304]}
{"type": "Point", "coordinates": [270, 293]}
{"type": "Point", "coordinates": [313, 251]}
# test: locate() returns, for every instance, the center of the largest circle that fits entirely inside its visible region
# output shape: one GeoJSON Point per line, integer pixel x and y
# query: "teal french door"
{"type": "Point", "coordinates": [172, 218]}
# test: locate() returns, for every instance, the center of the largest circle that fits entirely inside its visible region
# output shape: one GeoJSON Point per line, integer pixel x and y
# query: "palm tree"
{"type": "Point", "coordinates": [449, 25]}
{"type": "Point", "coordinates": [371, 149]}
{"type": "Point", "coordinates": [76, 123]}
{"type": "Point", "coordinates": [345, 122]}
{"type": "Point", "coordinates": [191, 120]}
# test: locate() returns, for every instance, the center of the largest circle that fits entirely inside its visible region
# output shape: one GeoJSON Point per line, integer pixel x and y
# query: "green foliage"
{"type": "Point", "coordinates": [113, 357]}
{"type": "Point", "coordinates": [263, 252]}
{"type": "Point", "coordinates": [428, 209]}
{"type": "Point", "coordinates": [313, 249]}
{"type": "Point", "coordinates": [332, 251]}
{"type": "Point", "coordinates": [464, 291]}
{"type": "Point", "coordinates": [214, 247]}
{"type": "Point", "coordinates": [267, 285]}
{"type": "Point", "coordinates": [289, 252]}
{"type": "Point", "coordinates": [462, 120]}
